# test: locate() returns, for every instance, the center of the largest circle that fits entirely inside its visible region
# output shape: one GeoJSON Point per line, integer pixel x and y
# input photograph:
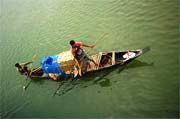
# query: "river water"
{"type": "Point", "coordinates": [147, 88]}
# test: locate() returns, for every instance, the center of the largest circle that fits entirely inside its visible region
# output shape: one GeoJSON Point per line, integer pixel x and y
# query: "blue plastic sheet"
{"type": "Point", "coordinates": [50, 65]}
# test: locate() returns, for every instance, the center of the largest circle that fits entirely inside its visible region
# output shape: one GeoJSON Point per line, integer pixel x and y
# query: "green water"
{"type": "Point", "coordinates": [148, 88]}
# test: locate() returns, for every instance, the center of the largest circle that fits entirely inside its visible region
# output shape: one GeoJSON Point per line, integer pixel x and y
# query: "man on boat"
{"type": "Point", "coordinates": [80, 55]}
{"type": "Point", "coordinates": [22, 68]}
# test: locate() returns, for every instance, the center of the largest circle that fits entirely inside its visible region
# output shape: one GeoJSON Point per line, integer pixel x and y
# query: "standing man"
{"type": "Point", "coordinates": [79, 53]}
{"type": "Point", "coordinates": [76, 49]}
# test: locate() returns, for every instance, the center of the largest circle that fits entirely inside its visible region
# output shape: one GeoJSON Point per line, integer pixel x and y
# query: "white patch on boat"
{"type": "Point", "coordinates": [129, 55]}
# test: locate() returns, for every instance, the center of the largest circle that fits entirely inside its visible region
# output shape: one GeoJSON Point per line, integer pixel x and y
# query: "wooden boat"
{"type": "Point", "coordinates": [64, 65]}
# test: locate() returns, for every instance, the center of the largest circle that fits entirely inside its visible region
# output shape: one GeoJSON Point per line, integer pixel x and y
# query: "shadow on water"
{"type": "Point", "coordinates": [137, 63]}
{"type": "Point", "coordinates": [96, 78]}
{"type": "Point", "coordinates": [33, 80]}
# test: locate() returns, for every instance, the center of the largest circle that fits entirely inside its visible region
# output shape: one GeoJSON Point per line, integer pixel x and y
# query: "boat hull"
{"type": "Point", "coordinates": [103, 61]}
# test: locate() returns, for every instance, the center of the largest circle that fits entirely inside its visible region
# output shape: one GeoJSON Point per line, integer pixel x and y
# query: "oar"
{"type": "Point", "coordinates": [61, 83]}
{"type": "Point", "coordinates": [102, 37]}
{"type": "Point", "coordinates": [25, 85]}
{"type": "Point", "coordinates": [79, 68]}
{"type": "Point", "coordinates": [67, 81]}
{"type": "Point", "coordinates": [99, 39]}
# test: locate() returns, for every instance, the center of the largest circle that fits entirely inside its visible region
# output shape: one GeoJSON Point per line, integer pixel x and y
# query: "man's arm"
{"type": "Point", "coordinates": [89, 46]}
{"type": "Point", "coordinates": [85, 45]}
{"type": "Point", "coordinates": [24, 64]}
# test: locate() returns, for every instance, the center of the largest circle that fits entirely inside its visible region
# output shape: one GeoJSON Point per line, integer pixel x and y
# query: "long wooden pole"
{"type": "Point", "coordinates": [99, 39]}
{"type": "Point", "coordinates": [25, 85]}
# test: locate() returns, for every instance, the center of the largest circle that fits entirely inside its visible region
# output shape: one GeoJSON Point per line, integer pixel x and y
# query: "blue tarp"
{"type": "Point", "coordinates": [50, 65]}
